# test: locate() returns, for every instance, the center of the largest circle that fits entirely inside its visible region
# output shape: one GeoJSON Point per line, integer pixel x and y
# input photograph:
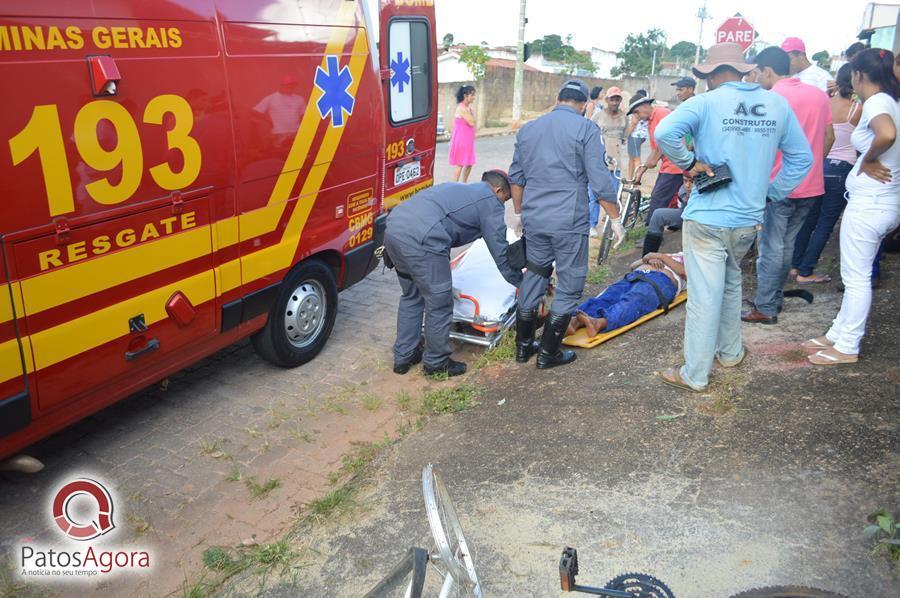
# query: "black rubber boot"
{"type": "Point", "coordinates": [526, 322]}
{"type": "Point", "coordinates": [451, 367]}
{"type": "Point", "coordinates": [550, 355]}
{"type": "Point", "coordinates": [403, 367]}
{"type": "Point", "coordinates": [652, 244]}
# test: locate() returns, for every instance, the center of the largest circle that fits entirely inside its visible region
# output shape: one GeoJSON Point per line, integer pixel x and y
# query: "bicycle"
{"type": "Point", "coordinates": [632, 207]}
{"type": "Point", "coordinates": [449, 556]}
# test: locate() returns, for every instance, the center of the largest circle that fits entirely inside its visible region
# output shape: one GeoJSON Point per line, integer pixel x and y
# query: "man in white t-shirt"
{"type": "Point", "coordinates": [802, 68]}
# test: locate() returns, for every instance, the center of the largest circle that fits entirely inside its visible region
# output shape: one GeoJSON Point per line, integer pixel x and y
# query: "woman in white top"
{"type": "Point", "coordinates": [873, 203]}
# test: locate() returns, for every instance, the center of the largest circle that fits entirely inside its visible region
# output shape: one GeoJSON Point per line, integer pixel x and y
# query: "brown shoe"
{"type": "Point", "coordinates": [755, 317]}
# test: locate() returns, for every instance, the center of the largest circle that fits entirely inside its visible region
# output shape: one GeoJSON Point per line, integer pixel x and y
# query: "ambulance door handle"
{"type": "Point", "coordinates": [152, 345]}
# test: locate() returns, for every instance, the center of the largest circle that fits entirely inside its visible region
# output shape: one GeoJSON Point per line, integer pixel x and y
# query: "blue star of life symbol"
{"type": "Point", "coordinates": [400, 68]}
{"type": "Point", "coordinates": [334, 83]}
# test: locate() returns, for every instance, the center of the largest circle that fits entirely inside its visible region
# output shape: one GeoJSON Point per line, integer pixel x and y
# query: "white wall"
{"type": "Point", "coordinates": [605, 60]}
{"type": "Point", "coordinates": [450, 69]}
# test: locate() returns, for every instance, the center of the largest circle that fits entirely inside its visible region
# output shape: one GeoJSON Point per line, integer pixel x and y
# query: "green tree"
{"type": "Point", "coordinates": [448, 41]}
{"type": "Point", "coordinates": [683, 52]}
{"type": "Point", "coordinates": [823, 59]}
{"type": "Point", "coordinates": [553, 47]}
{"type": "Point", "coordinates": [475, 58]}
{"type": "Point", "coordinates": [636, 55]}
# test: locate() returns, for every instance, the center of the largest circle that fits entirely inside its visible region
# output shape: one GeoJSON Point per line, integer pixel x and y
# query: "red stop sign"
{"type": "Point", "coordinates": [736, 29]}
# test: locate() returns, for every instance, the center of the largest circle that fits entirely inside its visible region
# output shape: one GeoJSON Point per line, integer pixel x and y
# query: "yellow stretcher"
{"type": "Point", "coordinates": [580, 338]}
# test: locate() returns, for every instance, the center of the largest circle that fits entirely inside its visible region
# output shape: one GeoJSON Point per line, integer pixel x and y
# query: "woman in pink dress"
{"type": "Point", "coordinates": [462, 143]}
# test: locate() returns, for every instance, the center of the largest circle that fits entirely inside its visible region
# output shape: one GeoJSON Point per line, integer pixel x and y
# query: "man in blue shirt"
{"type": "Point", "coordinates": [743, 126]}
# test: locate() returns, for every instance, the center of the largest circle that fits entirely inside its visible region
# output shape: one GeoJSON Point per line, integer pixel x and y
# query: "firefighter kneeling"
{"type": "Point", "coordinates": [420, 233]}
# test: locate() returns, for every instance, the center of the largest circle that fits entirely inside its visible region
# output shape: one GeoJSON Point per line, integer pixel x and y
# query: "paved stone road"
{"type": "Point", "coordinates": [182, 461]}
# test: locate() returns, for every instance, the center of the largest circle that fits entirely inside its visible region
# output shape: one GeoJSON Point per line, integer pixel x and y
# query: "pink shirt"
{"type": "Point", "coordinates": [810, 105]}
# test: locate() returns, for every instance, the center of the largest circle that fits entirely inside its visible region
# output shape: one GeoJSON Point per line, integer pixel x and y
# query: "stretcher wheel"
{"type": "Point", "coordinates": [302, 317]}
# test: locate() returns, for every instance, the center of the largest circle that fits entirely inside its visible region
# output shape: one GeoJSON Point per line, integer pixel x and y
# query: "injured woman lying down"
{"type": "Point", "coordinates": [654, 281]}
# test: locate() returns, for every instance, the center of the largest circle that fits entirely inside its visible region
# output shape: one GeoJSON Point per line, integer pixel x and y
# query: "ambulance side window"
{"type": "Point", "coordinates": [410, 65]}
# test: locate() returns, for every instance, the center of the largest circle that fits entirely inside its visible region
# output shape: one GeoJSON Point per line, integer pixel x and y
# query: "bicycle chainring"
{"type": "Point", "coordinates": [641, 585]}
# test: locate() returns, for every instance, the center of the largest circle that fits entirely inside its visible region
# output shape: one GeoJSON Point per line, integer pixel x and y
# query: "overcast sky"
{"type": "Point", "coordinates": [823, 25]}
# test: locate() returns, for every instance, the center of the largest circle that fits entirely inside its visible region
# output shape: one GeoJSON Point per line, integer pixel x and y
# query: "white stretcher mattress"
{"type": "Point", "coordinates": [475, 274]}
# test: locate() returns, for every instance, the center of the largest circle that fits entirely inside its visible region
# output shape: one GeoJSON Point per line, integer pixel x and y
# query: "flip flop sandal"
{"type": "Point", "coordinates": [825, 358]}
{"type": "Point", "coordinates": [672, 377]}
{"type": "Point", "coordinates": [814, 344]}
{"type": "Point", "coordinates": [816, 279]}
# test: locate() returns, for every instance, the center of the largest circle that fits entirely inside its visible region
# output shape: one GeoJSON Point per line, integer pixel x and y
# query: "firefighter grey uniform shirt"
{"type": "Point", "coordinates": [556, 156]}
{"type": "Point", "coordinates": [452, 215]}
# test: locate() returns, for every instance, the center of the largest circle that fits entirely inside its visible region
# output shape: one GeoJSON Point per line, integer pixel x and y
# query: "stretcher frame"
{"type": "Point", "coordinates": [580, 338]}
{"type": "Point", "coordinates": [478, 331]}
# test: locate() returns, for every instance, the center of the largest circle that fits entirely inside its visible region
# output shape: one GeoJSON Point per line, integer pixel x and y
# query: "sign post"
{"type": "Point", "coordinates": [738, 30]}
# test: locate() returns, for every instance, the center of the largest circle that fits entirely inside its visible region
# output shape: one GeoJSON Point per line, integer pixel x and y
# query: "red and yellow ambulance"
{"type": "Point", "coordinates": [177, 175]}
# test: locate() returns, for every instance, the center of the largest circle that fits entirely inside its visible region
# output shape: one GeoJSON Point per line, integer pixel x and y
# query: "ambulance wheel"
{"type": "Point", "coordinates": [302, 318]}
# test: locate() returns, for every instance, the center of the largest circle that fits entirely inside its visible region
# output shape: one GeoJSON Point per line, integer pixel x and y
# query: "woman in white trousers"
{"type": "Point", "coordinates": [873, 203]}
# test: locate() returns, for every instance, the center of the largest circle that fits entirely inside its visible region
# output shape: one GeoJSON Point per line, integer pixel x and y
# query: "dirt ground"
{"type": "Point", "coordinates": [766, 479]}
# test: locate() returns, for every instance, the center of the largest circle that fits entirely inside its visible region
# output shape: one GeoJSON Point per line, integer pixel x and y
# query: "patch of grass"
{"type": "Point", "coordinates": [252, 432]}
{"type": "Point", "coordinates": [218, 559]}
{"type": "Point", "coordinates": [333, 502]}
{"type": "Point", "coordinates": [209, 446]}
{"type": "Point", "coordinates": [371, 402]}
{"type": "Point", "coordinates": [504, 352]}
{"type": "Point", "coordinates": [259, 490]}
{"type": "Point", "coordinates": [404, 401]}
{"type": "Point", "coordinates": [139, 524]}
{"type": "Point", "coordinates": [599, 274]}
{"type": "Point", "coordinates": [450, 400]}
{"type": "Point", "coordinates": [270, 555]}
{"type": "Point", "coordinates": [724, 401]}
{"type": "Point", "coordinates": [883, 527]}
{"type": "Point", "coordinates": [336, 403]}
{"type": "Point", "coordinates": [298, 434]}
{"type": "Point", "coordinates": [439, 377]}
{"type": "Point", "coordinates": [234, 475]}
{"type": "Point", "coordinates": [198, 589]}
{"type": "Point", "coordinates": [631, 238]}
{"type": "Point", "coordinates": [277, 416]}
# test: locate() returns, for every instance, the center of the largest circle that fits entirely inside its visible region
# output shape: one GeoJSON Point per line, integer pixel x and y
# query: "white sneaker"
{"type": "Point", "coordinates": [593, 232]}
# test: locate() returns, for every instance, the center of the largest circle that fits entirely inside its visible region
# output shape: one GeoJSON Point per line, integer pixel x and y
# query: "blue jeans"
{"type": "Point", "coordinates": [822, 217]}
{"type": "Point", "coordinates": [662, 218]}
{"type": "Point", "coordinates": [712, 327]}
{"type": "Point", "coordinates": [624, 302]}
{"type": "Point", "coordinates": [781, 225]}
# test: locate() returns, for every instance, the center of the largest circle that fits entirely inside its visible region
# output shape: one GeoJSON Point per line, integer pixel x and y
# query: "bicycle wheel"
{"type": "Point", "coordinates": [787, 592]}
{"type": "Point", "coordinates": [632, 209]}
{"type": "Point", "coordinates": [606, 242]}
{"type": "Point", "coordinates": [453, 558]}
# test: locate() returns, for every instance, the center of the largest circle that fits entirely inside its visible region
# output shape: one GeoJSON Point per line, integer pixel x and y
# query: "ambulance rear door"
{"type": "Point", "coordinates": [409, 74]}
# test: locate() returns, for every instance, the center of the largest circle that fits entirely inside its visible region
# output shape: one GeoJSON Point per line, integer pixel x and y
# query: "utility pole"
{"type": "Point", "coordinates": [520, 67]}
{"type": "Point", "coordinates": [703, 15]}
{"type": "Point", "coordinates": [653, 64]}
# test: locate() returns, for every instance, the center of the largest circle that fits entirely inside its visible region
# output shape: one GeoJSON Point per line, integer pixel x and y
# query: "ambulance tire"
{"type": "Point", "coordinates": [307, 302]}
